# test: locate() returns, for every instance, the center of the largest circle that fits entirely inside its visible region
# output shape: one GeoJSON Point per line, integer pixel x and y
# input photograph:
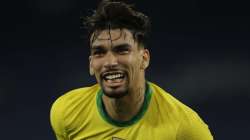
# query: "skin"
{"type": "Point", "coordinates": [117, 51]}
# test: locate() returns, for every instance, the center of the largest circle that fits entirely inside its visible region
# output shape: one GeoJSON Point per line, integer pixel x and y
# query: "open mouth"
{"type": "Point", "coordinates": [114, 78]}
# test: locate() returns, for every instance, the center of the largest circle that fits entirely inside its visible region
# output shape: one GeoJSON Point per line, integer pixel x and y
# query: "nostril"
{"type": "Point", "coordinates": [110, 60]}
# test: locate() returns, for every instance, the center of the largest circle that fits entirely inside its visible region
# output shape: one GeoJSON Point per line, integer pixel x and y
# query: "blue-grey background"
{"type": "Point", "coordinates": [200, 53]}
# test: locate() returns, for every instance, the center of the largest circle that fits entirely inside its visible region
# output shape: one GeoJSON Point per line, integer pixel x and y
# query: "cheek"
{"type": "Point", "coordinates": [96, 66]}
{"type": "Point", "coordinates": [129, 61]}
{"type": "Point", "coordinates": [133, 63]}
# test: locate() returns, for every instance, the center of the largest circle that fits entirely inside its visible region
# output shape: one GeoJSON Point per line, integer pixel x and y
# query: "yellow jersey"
{"type": "Point", "coordinates": [80, 115]}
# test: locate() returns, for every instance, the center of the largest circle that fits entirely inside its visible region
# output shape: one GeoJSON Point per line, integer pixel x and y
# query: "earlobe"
{"type": "Point", "coordinates": [144, 64]}
{"type": "Point", "coordinates": [145, 59]}
{"type": "Point", "coordinates": [91, 71]}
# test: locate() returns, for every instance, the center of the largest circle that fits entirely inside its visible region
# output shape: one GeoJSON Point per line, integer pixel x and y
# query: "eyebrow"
{"type": "Point", "coordinates": [96, 47]}
{"type": "Point", "coordinates": [124, 45]}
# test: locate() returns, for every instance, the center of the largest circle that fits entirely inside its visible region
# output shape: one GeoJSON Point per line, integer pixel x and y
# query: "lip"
{"type": "Point", "coordinates": [113, 83]}
{"type": "Point", "coordinates": [111, 72]}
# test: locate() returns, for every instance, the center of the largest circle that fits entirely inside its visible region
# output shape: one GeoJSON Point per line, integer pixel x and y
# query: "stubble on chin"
{"type": "Point", "coordinates": [115, 94]}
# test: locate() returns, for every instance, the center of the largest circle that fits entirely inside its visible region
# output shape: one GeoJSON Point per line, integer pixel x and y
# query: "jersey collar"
{"type": "Point", "coordinates": [136, 118]}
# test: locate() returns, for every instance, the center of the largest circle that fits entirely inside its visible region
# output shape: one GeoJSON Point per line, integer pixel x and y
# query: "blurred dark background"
{"type": "Point", "coordinates": [200, 53]}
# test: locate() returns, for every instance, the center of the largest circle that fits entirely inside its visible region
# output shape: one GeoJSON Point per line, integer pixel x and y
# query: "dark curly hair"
{"type": "Point", "coordinates": [116, 14]}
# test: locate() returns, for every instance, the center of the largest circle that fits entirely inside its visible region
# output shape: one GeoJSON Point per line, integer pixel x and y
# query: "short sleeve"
{"type": "Point", "coordinates": [193, 128]}
{"type": "Point", "coordinates": [57, 119]}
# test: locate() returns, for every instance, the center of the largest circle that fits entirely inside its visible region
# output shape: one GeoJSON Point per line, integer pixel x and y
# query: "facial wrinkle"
{"type": "Point", "coordinates": [110, 38]}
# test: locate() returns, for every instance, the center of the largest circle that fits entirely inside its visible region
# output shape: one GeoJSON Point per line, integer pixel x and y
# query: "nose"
{"type": "Point", "coordinates": [110, 60]}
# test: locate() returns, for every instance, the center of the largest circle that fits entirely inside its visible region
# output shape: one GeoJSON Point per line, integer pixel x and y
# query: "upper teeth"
{"type": "Point", "coordinates": [114, 76]}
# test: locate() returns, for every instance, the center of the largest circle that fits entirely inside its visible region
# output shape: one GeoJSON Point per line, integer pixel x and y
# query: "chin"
{"type": "Point", "coordinates": [115, 93]}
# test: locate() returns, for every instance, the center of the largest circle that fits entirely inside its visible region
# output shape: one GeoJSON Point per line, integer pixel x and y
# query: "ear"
{"type": "Point", "coordinates": [91, 70]}
{"type": "Point", "coordinates": [145, 59]}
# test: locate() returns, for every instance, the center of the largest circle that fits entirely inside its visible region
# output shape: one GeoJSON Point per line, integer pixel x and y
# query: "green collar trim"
{"type": "Point", "coordinates": [136, 118]}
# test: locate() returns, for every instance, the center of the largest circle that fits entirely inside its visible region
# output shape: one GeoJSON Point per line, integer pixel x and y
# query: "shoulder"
{"type": "Point", "coordinates": [191, 126]}
{"type": "Point", "coordinates": [167, 101]}
{"type": "Point", "coordinates": [75, 95]}
{"type": "Point", "coordinates": [67, 103]}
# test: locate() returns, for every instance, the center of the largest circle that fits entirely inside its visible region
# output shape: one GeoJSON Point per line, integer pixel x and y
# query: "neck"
{"type": "Point", "coordinates": [125, 108]}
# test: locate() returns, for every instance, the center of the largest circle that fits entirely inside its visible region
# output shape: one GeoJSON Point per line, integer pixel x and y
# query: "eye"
{"type": "Point", "coordinates": [123, 49]}
{"type": "Point", "coordinates": [98, 52]}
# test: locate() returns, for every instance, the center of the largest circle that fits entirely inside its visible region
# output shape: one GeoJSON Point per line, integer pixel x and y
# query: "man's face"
{"type": "Point", "coordinates": [117, 62]}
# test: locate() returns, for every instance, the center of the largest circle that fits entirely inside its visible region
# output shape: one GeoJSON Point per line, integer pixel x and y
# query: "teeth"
{"type": "Point", "coordinates": [114, 76]}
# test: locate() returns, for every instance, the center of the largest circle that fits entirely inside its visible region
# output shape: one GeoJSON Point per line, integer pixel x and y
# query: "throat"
{"type": "Point", "coordinates": [125, 108]}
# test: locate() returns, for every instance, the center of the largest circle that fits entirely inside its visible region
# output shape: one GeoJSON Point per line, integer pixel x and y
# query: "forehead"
{"type": "Point", "coordinates": [114, 36]}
